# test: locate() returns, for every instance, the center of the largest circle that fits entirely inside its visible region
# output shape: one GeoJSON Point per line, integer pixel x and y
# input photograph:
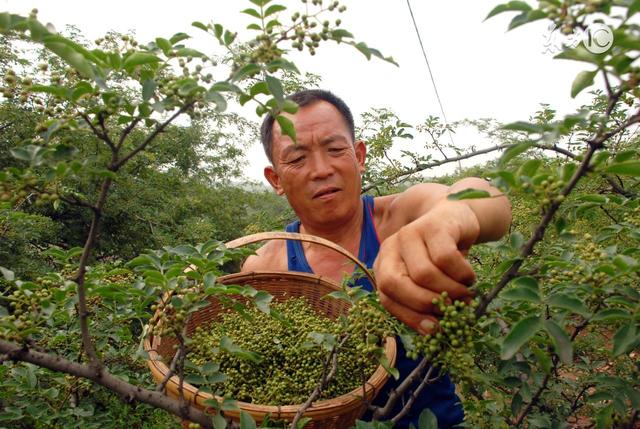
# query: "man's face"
{"type": "Point", "coordinates": [320, 175]}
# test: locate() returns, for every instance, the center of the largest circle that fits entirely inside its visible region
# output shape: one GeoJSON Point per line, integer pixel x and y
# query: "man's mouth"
{"type": "Point", "coordinates": [325, 191]}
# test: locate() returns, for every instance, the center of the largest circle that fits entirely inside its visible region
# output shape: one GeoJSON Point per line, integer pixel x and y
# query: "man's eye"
{"type": "Point", "coordinates": [336, 149]}
{"type": "Point", "coordinates": [296, 160]}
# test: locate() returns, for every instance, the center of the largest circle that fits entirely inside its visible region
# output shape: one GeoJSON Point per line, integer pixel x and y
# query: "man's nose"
{"type": "Point", "coordinates": [320, 166]}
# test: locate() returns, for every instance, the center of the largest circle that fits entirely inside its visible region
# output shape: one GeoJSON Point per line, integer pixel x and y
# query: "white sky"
{"type": "Point", "coordinates": [480, 69]}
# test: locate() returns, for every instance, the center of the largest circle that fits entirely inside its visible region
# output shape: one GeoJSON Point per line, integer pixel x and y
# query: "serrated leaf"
{"type": "Point", "coordinates": [521, 332]}
{"type": "Point", "coordinates": [529, 168]}
{"type": "Point", "coordinates": [468, 194]}
{"type": "Point", "coordinates": [138, 59]}
{"type": "Point", "coordinates": [216, 98]}
{"type": "Point", "coordinates": [252, 12]}
{"type": "Point", "coordinates": [163, 44]}
{"type": "Point", "coordinates": [611, 314]}
{"type": "Point", "coordinates": [624, 338]}
{"type": "Point", "coordinates": [384, 361]}
{"type": "Point", "coordinates": [275, 88]}
{"type": "Point", "coordinates": [286, 127]}
{"type": "Point", "coordinates": [522, 294]}
{"type": "Point", "coordinates": [580, 53]}
{"type": "Point", "coordinates": [560, 339]}
{"type": "Point", "coordinates": [583, 80]}
{"type": "Point", "coordinates": [427, 420]}
{"type": "Point", "coordinates": [148, 88]}
{"type": "Point", "coordinates": [526, 17]}
{"type": "Point", "coordinates": [274, 9]}
{"type": "Point", "coordinates": [629, 168]}
{"type": "Point", "coordinates": [178, 37]}
{"type": "Point", "coordinates": [514, 151]}
{"type": "Point", "coordinates": [509, 6]}
{"type": "Point", "coordinates": [247, 71]}
{"type": "Point", "coordinates": [246, 421]}
{"type": "Point", "coordinates": [567, 302]}
{"type": "Point", "coordinates": [200, 25]}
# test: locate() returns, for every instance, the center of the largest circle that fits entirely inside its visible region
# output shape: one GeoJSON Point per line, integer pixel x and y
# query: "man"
{"type": "Point", "coordinates": [416, 241]}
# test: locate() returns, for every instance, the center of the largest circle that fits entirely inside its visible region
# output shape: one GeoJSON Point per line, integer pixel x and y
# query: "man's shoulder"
{"type": "Point", "coordinates": [271, 257]}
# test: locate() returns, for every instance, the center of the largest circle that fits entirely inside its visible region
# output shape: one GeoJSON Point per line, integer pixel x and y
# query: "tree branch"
{"type": "Point", "coordinates": [126, 132]}
{"type": "Point", "coordinates": [116, 166]}
{"type": "Point", "coordinates": [323, 382]}
{"type": "Point", "coordinates": [426, 380]}
{"type": "Point", "coordinates": [422, 167]}
{"type": "Point", "coordinates": [102, 136]}
{"type": "Point", "coordinates": [128, 392]}
{"type": "Point", "coordinates": [397, 393]}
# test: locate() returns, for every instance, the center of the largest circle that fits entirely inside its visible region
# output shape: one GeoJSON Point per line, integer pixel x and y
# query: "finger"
{"type": "Point", "coordinates": [444, 253]}
{"type": "Point", "coordinates": [426, 274]}
{"type": "Point", "coordinates": [394, 281]}
{"type": "Point", "coordinates": [422, 323]}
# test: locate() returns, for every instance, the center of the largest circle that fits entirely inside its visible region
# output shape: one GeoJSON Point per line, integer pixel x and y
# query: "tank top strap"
{"type": "Point", "coordinates": [296, 261]}
{"type": "Point", "coordinates": [369, 241]}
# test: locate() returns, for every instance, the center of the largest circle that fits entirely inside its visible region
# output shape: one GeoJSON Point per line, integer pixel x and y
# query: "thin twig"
{"type": "Point", "coordinates": [426, 380]}
{"type": "Point", "coordinates": [332, 359]}
{"type": "Point", "coordinates": [116, 166]}
{"type": "Point", "coordinates": [397, 393]}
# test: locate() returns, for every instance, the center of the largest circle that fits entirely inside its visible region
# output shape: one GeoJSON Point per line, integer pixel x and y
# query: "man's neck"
{"type": "Point", "coordinates": [345, 233]}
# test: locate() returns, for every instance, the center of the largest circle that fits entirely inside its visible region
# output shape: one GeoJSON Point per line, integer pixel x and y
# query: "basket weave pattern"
{"type": "Point", "coordinates": [338, 413]}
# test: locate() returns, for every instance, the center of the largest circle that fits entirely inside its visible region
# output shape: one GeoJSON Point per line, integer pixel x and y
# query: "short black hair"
{"type": "Point", "coordinates": [305, 98]}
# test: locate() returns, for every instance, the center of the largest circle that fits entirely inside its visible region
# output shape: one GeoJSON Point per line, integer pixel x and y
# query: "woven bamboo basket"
{"type": "Point", "coordinates": [336, 413]}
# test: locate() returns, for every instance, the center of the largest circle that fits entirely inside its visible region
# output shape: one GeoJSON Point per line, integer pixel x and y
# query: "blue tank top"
{"type": "Point", "coordinates": [440, 396]}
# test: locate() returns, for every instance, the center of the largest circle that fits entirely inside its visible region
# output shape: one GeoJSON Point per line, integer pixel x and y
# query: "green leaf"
{"type": "Point", "coordinates": [611, 314]}
{"type": "Point", "coordinates": [275, 88]}
{"type": "Point", "coordinates": [582, 81]}
{"type": "Point", "coordinates": [282, 64]}
{"type": "Point", "coordinates": [274, 9]}
{"type": "Point", "coordinates": [178, 37]}
{"type": "Point", "coordinates": [286, 127]}
{"type": "Point", "coordinates": [229, 37]}
{"type": "Point", "coordinates": [468, 194]}
{"type": "Point", "coordinates": [303, 422]}
{"type": "Point", "coordinates": [427, 420]}
{"type": "Point", "coordinates": [629, 168]}
{"type": "Point", "coordinates": [219, 422]}
{"type": "Point", "coordinates": [624, 338]}
{"type": "Point", "coordinates": [522, 294]}
{"type": "Point", "coordinates": [252, 12]}
{"type": "Point", "coordinates": [72, 57]}
{"type": "Point", "coordinates": [148, 88]}
{"type": "Point", "coordinates": [339, 34]}
{"type": "Point", "coordinates": [580, 53]}
{"type": "Point", "coordinates": [526, 17]}
{"type": "Point", "coordinates": [138, 59]}
{"type": "Point", "coordinates": [529, 168]}
{"type": "Point", "coordinates": [567, 302]}
{"type": "Point", "coordinates": [246, 421]}
{"type": "Point", "coordinates": [164, 44]}
{"type": "Point", "coordinates": [633, 8]}
{"type": "Point", "coordinates": [7, 274]}
{"type": "Point", "coordinates": [519, 335]}
{"type": "Point", "coordinates": [561, 340]}
{"type": "Point", "coordinates": [384, 361]}
{"type": "Point", "coordinates": [514, 151]}
{"type": "Point", "coordinates": [245, 72]}
{"type": "Point", "coordinates": [262, 300]}
{"type": "Point", "coordinates": [217, 99]}
{"type": "Point", "coordinates": [509, 6]}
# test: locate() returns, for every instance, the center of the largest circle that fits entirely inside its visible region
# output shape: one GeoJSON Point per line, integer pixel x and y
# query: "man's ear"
{"type": "Point", "coordinates": [361, 153]}
{"type": "Point", "coordinates": [274, 180]}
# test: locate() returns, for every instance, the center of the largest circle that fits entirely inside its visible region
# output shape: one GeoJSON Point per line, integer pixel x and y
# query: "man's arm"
{"type": "Point", "coordinates": [425, 254]}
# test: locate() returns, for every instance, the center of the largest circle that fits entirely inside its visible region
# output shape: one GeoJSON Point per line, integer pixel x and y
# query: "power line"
{"type": "Point", "coordinates": [433, 81]}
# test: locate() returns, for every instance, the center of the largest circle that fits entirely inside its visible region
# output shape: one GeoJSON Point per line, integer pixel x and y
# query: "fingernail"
{"type": "Point", "coordinates": [426, 326]}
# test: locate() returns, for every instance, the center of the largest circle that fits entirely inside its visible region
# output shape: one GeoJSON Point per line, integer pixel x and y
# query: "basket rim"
{"type": "Point", "coordinates": [346, 402]}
